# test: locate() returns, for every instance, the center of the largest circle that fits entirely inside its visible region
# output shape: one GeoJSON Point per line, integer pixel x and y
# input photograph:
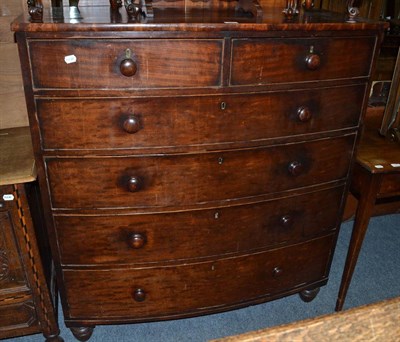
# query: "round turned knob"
{"type": "Point", "coordinates": [131, 124]}
{"type": "Point", "coordinates": [128, 67]}
{"type": "Point", "coordinates": [133, 184]}
{"type": "Point", "coordinates": [286, 220]}
{"type": "Point", "coordinates": [137, 240]}
{"type": "Point", "coordinates": [304, 114]}
{"type": "Point", "coordinates": [313, 61]}
{"type": "Point", "coordinates": [139, 295]}
{"type": "Point", "coordinates": [277, 272]}
{"type": "Point", "coordinates": [295, 168]}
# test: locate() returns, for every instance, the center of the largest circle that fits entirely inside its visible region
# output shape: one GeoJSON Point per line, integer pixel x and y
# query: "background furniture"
{"type": "Point", "coordinates": [27, 289]}
{"type": "Point", "coordinates": [390, 126]}
{"type": "Point", "coordinates": [376, 177]}
{"type": "Point", "coordinates": [375, 180]}
{"type": "Point", "coordinates": [202, 163]}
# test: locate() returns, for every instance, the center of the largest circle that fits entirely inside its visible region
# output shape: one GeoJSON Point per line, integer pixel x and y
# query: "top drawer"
{"type": "Point", "coordinates": [116, 64]}
{"type": "Point", "coordinates": [264, 61]}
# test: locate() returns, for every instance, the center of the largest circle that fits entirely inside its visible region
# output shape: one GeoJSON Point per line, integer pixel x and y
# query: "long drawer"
{"type": "Point", "coordinates": [146, 293]}
{"type": "Point", "coordinates": [156, 63]}
{"type": "Point", "coordinates": [137, 239]}
{"type": "Point", "coordinates": [163, 122]}
{"type": "Point", "coordinates": [264, 61]}
{"type": "Point", "coordinates": [153, 180]}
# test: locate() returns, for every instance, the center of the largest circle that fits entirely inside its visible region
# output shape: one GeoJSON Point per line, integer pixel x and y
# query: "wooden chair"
{"type": "Point", "coordinates": [376, 178]}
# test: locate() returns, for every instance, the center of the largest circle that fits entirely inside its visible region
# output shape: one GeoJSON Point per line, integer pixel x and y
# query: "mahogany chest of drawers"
{"type": "Point", "coordinates": [188, 164]}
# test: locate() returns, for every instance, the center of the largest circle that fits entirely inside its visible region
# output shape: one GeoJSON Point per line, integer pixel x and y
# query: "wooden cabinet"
{"type": "Point", "coordinates": [28, 294]}
{"type": "Point", "coordinates": [190, 164]}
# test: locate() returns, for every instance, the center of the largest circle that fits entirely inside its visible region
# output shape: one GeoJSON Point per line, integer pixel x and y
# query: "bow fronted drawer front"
{"type": "Point", "coordinates": [152, 181]}
{"type": "Point", "coordinates": [125, 64]}
{"type": "Point", "coordinates": [169, 237]}
{"type": "Point", "coordinates": [288, 60]}
{"type": "Point", "coordinates": [158, 292]}
{"type": "Point", "coordinates": [138, 123]}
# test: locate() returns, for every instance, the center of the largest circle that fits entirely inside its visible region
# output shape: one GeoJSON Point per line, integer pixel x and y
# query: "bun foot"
{"type": "Point", "coordinates": [309, 294]}
{"type": "Point", "coordinates": [82, 333]}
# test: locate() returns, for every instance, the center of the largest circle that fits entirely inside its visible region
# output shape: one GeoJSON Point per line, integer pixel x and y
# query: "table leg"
{"type": "Point", "coordinates": [368, 192]}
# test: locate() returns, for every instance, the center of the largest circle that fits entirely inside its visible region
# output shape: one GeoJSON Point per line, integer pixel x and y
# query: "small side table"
{"type": "Point", "coordinates": [376, 179]}
{"type": "Point", "coordinates": [28, 295]}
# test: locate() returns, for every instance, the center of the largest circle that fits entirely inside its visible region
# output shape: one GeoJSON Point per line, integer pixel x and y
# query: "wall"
{"type": "Point", "coordinates": [12, 100]}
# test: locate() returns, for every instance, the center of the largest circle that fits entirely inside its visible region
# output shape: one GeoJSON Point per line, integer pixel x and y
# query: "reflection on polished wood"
{"type": "Point", "coordinates": [175, 17]}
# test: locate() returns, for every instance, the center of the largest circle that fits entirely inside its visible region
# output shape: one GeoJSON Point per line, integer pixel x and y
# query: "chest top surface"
{"type": "Point", "coordinates": [195, 16]}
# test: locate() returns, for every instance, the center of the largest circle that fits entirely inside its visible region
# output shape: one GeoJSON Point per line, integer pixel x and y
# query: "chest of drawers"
{"type": "Point", "coordinates": [190, 165]}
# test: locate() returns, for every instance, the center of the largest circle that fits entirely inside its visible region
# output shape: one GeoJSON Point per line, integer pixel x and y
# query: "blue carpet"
{"type": "Point", "coordinates": [377, 277]}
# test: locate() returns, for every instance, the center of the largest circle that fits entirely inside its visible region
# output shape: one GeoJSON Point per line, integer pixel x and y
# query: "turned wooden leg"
{"type": "Point", "coordinates": [82, 333]}
{"type": "Point", "coordinates": [308, 295]}
{"type": "Point", "coordinates": [369, 187]}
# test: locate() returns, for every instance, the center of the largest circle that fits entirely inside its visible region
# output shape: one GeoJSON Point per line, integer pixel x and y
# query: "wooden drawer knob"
{"type": "Point", "coordinates": [286, 221]}
{"type": "Point", "coordinates": [128, 67]}
{"type": "Point", "coordinates": [295, 168]}
{"type": "Point", "coordinates": [137, 240]}
{"type": "Point", "coordinates": [277, 272]}
{"type": "Point", "coordinates": [133, 184]}
{"type": "Point", "coordinates": [139, 295]}
{"type": "Point", "coordinates": [313, 61]}
{"type": "Point", "coordinates": [131, 124]}
{"type": "Point", "coordinates": [304, 114]}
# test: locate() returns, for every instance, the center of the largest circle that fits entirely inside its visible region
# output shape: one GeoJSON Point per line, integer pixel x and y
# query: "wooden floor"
{"type": "Point", "coordinates": [373, 323]}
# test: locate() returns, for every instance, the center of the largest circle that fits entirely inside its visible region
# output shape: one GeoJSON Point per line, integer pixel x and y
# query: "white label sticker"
{"type": "Point", "coordinates": [70, 59]}
{"type": "Point", "coordinates": [8, 197]}
{"type": "Point", "coordinates": [395, 165]}
{"type": "Point", "coordinates": [378, 166]}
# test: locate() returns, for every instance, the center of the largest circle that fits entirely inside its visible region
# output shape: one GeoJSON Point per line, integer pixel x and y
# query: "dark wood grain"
{"type": "Point", "coordinates": [98, 19]}
{"type": "Point", "coordinates": [196, 161]}
{"type": "Point", "coordinates": [375, 179]}
{"type": "Point", "coordinates": [104, 182]}
{"type": "Point", "coordinates": [390, 185]}
{"type": "Point", "coordinates": [160, 63]}
{"type": "Point", "coordinates": [106, 240]}
{"type": "Point", "coordinates": [194, 287]}
{"type": "Point", "coordinates": [27, 296]}
{"type": "Point", "coordinates": [284, 60]}
{"type": "Point", "coordinates": [11, 263]}
{"type": "Point", "coordinates": [18, 315]}
{"type": "Point", "coordinates": [165, 122]}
